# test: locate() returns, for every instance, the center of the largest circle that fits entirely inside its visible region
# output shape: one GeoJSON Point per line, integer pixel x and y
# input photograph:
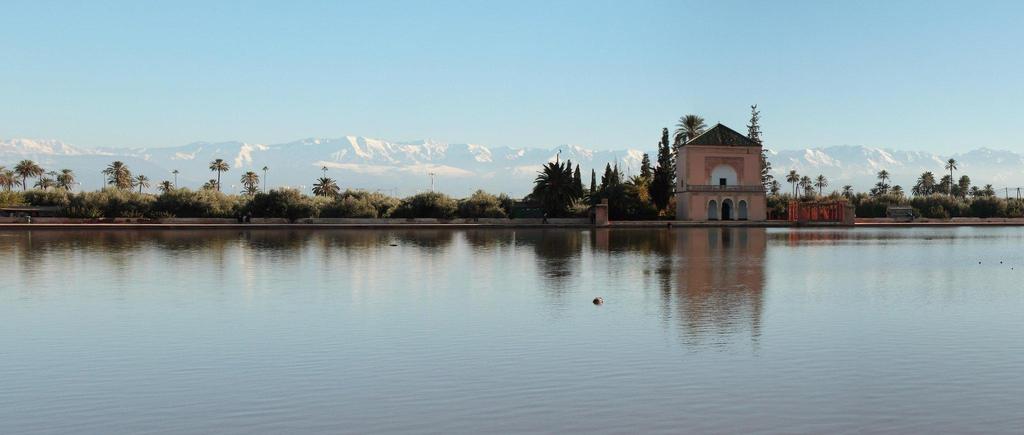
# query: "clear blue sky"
{"type": "Point", "coordinates": [927, 75]}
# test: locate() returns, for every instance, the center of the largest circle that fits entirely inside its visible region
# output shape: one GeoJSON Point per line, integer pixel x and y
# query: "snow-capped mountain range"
{"type": "Point", "coordinates": [402, 168]}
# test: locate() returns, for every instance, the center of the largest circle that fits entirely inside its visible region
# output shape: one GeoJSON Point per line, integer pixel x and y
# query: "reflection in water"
{"type": "Point", "coordinates": [557, 254]}
{"type": "Point", "coordinates": [720, 284]}
{"type": "Point", "coordinates": [709, 280]}
{"type": "Point", "coordinates": [379, 331]}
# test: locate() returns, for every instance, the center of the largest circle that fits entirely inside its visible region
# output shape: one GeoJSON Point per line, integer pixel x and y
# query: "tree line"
{"type": "Point", "coordinates": [559, 190]}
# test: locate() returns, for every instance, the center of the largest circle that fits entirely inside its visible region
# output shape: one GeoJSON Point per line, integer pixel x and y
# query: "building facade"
{"type": "Point", "coordinates": [718, 177]}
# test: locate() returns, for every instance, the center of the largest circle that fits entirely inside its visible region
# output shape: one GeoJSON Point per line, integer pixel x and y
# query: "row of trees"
{"type": "Point", "coordinates": [559, 189]}
{"type": "Point", "coordinates": [811, 188]}
{"type": "Point", "coordinates": [277, 203]}
{"type": "Point", "coordinates": [116, 175]}
{"type": "Point", "coordinates": [19, 175]}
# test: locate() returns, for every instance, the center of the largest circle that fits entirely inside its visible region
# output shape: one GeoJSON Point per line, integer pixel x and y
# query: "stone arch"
{"type": "Point", "coordinates": [741, 210]}
{"type": "Point", "coordinates": [712, 210]}
{"type": "Point", "coordinates": [728, 213]}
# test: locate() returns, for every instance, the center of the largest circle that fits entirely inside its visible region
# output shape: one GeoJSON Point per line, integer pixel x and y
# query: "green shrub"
{"type": "Point", "coordinates": [50, 197]}
{"type": "Point", "coordinates": [349, 207]}
{"type": "Point", "coordinates": [427, 205]}
{"type": "Point", "coordinates": [951, 207]}
{"type": "Point", "coordinates": [382, 203]}
{"type": "Point", "coordinates": [870, 207]}
{"type": "Point", "coordinates": [987, 207]}
{"type": "Point", "coordinates": [187, 203]}
{"type": "Point", "coordinates": [1014, 208]}
{"type": "Point", "coordinates": [778, 205]}
{"type": "Point", "coordinates": [481, 205]}
{"type": "Point", "coordinates": [507, 203]}
{"type": "Point", "coordinates": [281, 203]}
{"type": "Point", "coordinates": [935, 212]}
{"type": "Point", "coordinates": [111, 203]}
{"type": "Point", "coordinates": [11, 198]}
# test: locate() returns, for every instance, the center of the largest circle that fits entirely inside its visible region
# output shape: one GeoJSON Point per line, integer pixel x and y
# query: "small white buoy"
{"type": "Point", "coordinates": [598, 301]}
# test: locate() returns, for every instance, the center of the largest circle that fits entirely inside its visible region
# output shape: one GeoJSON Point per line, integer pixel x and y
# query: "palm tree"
{"type": "Point", "coordinates": [950, 166]}
{"type": "Point", "coordinates": [821, 182]}
{"type": "Point", "coordinates": [689, 127]}
{"type": "Point", "coordinates": [326, 187]}
{"type": "Point", "coordinates": [848, 191]}
{"type": "Point", "coordinates": [806, 184]}
{"type": "Point", "coordinates": [265, 169]}
{"type": "Point", "coordinates": [925, 184]}
{"type": "Point", "coordinates": [8, 179]}
{"type": "Point", "coordinates": [210, 185]}
{"type": "Point", "coordinates": [555, 188]}
{"type": "Point", "coordinates": [219, 165]}
{"type": "Point", "coordinates": [45, 183]}
{"type": "Point", "coordinates": [883, 176]}
{"type": "Point", "coordinates": [118, 175]}
{"type": "Point", "coordinates": [66, 179]}
{"type": "Point", "coordinates": [963, 186]}
{"type": "Point", "coordinates": [175, 172]}
{"type": "Point", "coordinates": [897, 190]}
{"type": "Point", "coordinates": [165, 186]}
{"type": "Point", "coordinates": [774, 187]}
{"type": "Point", "coordinates": [141, 181]}
{"type": "Point", "coordinates": [251, 182]}
{"type": "Point", "coordinates": [26, 169]}
{"type": "Point", "coordinates": [792, 178]}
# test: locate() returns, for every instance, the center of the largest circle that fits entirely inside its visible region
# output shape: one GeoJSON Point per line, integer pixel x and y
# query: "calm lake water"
{"type": "Point", "coordinates": [410, 331]}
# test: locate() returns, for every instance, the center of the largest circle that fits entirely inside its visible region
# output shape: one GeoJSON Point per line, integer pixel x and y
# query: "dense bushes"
{"type": "Point", "coordinates": [482, 205]}
{"type": "Point", "coordinates": [11, 198]}
{"type": "Point", "coordinates": [52, 197]}
{"type": "Point", "coordinates": [347, 206]}
{"type": "Point", "coordinates": [199, 203]}
{"type": "Point", "coordinates": [281, 203]}
{"type": "Point", "coordinates": [359, 204]}
{"type": "Point", "coordinates": [939, 206]}
{"type": "Point", "coordinates": [988, 207]}
{"type": "Point", "coordinates": [427, 205]}
{"type": "Point", "coordinates": [110, 203]}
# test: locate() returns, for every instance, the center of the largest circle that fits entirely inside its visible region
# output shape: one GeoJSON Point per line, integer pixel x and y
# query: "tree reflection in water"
{"type": "Point", "coordinates": [557, 254]}
{"type": "Point", "coordinates": [707, 281]}
{"type": "Point", "coordinates": [710, 281]}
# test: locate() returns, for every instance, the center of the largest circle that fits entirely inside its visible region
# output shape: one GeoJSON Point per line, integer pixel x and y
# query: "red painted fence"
{"type": "Point", "coordinates": [830, 211]}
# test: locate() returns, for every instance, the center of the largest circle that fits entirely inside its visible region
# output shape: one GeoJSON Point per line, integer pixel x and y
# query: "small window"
{"type": "Point", "coordinates": [721, 181]}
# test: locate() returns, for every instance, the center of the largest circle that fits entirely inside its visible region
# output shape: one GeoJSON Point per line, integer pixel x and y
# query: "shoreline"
{"type": "Point", "coordinates": [463, 225]}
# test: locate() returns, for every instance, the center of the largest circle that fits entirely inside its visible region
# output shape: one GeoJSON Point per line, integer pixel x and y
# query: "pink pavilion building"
{"type": "Point", "coordinates": [719, 178]}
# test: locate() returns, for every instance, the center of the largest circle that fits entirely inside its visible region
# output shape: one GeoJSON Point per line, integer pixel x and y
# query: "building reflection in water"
{"type": "Point", "coordinates": [710, 281]}
{"type": "Point", "coordinates": [707, 281]}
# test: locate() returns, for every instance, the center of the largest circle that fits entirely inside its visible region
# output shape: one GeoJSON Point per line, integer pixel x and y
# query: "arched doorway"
{"type": "Point", "coordinates": [712, 210]}
{"type": "Point", "coordinates": [741, 211]}
{"type": "Point", "coordinates": [727, 210]}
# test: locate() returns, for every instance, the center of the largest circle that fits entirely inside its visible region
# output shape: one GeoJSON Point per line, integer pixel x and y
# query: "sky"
{"type": "Point", "coordinates": [930, 75]}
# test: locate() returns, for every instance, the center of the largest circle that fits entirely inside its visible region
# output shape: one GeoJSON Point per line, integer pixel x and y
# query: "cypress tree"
{"type": "Point", "coordinates": [607, 177]}
{"type": "Point", "coordinates": [754, 133]}
{"type": "Point", "coordinates": [645, 167]}
{"type": "Point", "coordinates": [593, 181]}
{"type": "Point", "coordinates": [664, 175]}
{"type": "Point", "coordinates": [577, 180]}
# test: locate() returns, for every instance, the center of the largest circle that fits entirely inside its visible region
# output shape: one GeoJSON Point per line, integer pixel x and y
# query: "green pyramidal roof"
{"type": "Point", "coordinates": [722, 135]}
